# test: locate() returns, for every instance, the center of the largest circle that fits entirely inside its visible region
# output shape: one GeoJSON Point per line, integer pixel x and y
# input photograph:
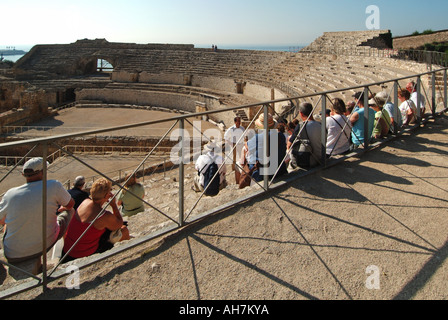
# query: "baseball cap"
{"type": "Point", "coordinates": [33, 166]}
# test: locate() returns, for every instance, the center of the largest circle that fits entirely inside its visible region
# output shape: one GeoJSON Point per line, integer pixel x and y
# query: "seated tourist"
{"type": "Point", "coordinates": [338, 129]}
{"type": "Point", "coordinates": [77, 192]}
{"type": "Point", "coordinates": [382, 122]}
{"type": "Point", "coordinates": [407, 108]}
{"type": "Point", "coordinates": [255, 154]}
{"type": "Point", "coordinates": [21, 212]}
{"type": "Point", "coordinates": [305, 151]}
{"type": "Point", "coordinates": [130, 197]}
{"type": "Point", "coordinates": [383, 98]}
{"type": "Point", "coordinates": [102, 232]}
{"type": "Point", "coordinates": [357, 121]}
{"type": "Point", "coordinates": [415, 96]}
{"type": "Point", "coordinates": [202, 164]}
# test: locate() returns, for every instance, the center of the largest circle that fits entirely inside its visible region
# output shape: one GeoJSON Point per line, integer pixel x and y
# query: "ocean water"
{"type": "Point", "coordinates": [286, 48]}
{"type": "Point", "coordinates": [13, 58]}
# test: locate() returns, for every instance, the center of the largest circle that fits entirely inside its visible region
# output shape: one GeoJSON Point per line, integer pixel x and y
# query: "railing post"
{"type": "Point", "coordinates": [44, 216]}
{"type": "Point", "coordinates": [433, 100]}
{"type": "Point", "coordinates": [445, 100]}
{"type": "Point", "coordinates": [266, 147]}
{"type": "Point", "coordinates": [396, 112]}
{"type": "Point", "coordinates": [419, 110]}
{"type": "Point", "coordinates": [181, 171]}
{"type": "Point", "coordinates": [324, 131]}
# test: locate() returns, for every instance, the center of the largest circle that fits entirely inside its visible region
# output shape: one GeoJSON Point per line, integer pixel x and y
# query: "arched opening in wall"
{"type": "Point", "coordinates": [104, 66]}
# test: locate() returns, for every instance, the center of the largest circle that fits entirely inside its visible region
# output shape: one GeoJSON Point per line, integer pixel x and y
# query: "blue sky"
{"type": "Point", "coordinates": [207, 22]}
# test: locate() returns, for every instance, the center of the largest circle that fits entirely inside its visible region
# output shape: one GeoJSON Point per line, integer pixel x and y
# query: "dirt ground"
{"type": "Point", "coordinates": [371, 228]}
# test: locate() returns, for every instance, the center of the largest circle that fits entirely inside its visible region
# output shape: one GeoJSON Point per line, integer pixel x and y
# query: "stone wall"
{"type": "Point", "coordinates": [338, 41]}
{"type": "Point", "coordinates": [412, 42]}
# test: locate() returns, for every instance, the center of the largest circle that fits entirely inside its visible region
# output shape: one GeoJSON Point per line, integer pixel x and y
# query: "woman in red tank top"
{"type": "Point", "coordinates": [87, 218]}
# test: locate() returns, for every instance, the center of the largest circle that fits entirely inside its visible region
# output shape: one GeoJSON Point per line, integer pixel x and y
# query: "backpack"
{"type": "Point", "coordinates": [301, 152]}
{"type": "Point", "coordinates": [211, 179]}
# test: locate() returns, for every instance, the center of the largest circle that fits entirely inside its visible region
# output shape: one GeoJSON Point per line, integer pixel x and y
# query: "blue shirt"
{"type": "Point", "coordinates": [358, 126]}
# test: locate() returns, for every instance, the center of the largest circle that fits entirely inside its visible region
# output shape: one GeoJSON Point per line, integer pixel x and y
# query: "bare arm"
{"type": "Point", "coordinates": [112, 221]}
{"type": "Point", "coordinates": [69, 206]}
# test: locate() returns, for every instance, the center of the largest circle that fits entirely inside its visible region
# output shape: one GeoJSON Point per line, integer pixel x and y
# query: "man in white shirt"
{"type": "Point", "coordinates": [232, 137]}
{"type": "Point", "coordinates": [21, 211]}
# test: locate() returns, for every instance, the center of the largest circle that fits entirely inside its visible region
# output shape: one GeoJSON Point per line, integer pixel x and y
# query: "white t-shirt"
{"type": "Point", "coordinates": [204, 161]}
{"type": "Point", "coordinates": [233, 135]}
{"type": "Point", "coordinates": [414, 96]}
{"type": "Point", "coordinates": [406, 107]}
{"type": "Point", "coordinates": [22, 207]}
{"type": "Point", "coordinates": [338, 141]}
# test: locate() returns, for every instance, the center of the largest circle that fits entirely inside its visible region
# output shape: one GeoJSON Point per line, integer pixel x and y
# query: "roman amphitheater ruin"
{"type": "Point", "coordinates": [58, 90]}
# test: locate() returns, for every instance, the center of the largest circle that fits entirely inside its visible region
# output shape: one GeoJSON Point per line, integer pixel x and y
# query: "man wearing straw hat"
{"type": "Point", "coordinates": [277, 148]}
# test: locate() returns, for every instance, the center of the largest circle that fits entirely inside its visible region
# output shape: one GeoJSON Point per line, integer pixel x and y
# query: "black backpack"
{"type": "Point", "coordinates": [211, 179]}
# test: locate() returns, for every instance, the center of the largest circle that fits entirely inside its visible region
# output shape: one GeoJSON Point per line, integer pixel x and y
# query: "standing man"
{"type": "Point", "coordinates": [233, 138]}
{"type": "Point", "coordinates": [21, 211]}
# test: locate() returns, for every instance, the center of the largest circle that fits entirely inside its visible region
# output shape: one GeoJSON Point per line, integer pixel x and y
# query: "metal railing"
{"type": "Point", "coordinates": [182, 158]}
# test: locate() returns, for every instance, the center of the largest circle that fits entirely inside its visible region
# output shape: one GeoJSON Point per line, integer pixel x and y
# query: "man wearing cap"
{"type": "Point", "coordinates": [77, 192]}
{"type": "Point", "coordinates": [21, 211]}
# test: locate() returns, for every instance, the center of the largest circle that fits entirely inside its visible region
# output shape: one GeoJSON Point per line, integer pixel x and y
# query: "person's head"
{"type": "Point", "coordinates": [306, 111]}
{"type": "Point", "coordinates": [79, 183]}
{"type": "Point", "coordinates": [100, 189]}
{"type": "Point", "coordinates": [404, 95]}
{"type": "Point", "coordinates": [211, 146]}
{"type": "Point", "coordinates": [359, 96]}
{"type": "Point", "coordinates": [338, 106]}
{"type": "Point", "coordinates": [131, 179]}
{"type": "Point", "coordinates": [292, 126]}
{"type": "Point", "coordinates": [33, 169]}
{"type": "Point", "coordinates": [237, 121]}
{"type": "Point", "coordinates": [350, 106]}
{"type": "Point", "coordinates": [382, 97]}
{"type": "Point", "coordinates": [373, 103]}
{"type": "Point", "coordinates": [259, 123]}
{"type": "Point", "coordinates": [281, 127]}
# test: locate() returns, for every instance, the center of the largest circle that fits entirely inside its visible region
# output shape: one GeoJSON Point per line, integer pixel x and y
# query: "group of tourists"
{"type": "Point", "coordinates": [77, 217]}
{"type": "Point", "coordinates": [87, 227]}
{"type": "Point", "coordinates": [297, 144]}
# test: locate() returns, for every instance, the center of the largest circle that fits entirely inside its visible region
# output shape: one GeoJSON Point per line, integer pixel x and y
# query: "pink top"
{"type": "Point", "coordinates": [89, 242]}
